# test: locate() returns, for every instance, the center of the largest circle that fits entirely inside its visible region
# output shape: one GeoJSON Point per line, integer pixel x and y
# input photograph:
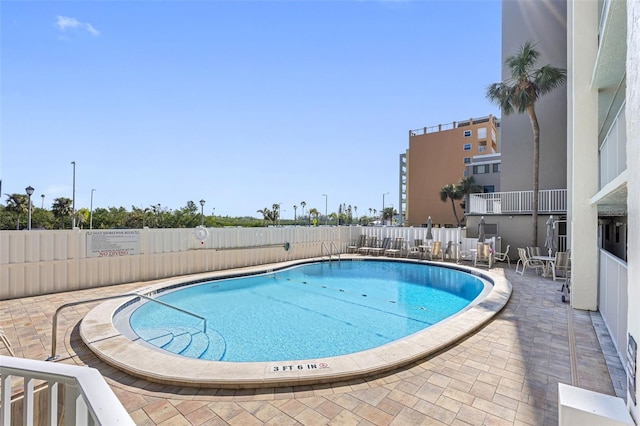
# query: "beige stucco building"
{"type": "Point", "coordinates": [438, 156]}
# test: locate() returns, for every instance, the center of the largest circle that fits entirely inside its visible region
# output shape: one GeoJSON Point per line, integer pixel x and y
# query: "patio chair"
{"type": "Point", "coordinates": [533, 251]}
{"type": "Point", "coordinates": [527, 262]}
{"type": "Point", "coordinates": [377, 251]}
{"type": "Point", "coordinates": [561, 267]}
{"type": "Point", "coordinates": [353, 248]}
{"type": "Point", "coordinates": [436, 251]}
{"type": "Point", "coordinates": [483, 255]}
{"type": "Point", "coordinates": [396, 248]}
{"type": "Point", "coordinates": [414, 250]}
{"type": "Point", "coordinates": [371, 243]}
{"type": "Point", "coordinates": [501, 257]}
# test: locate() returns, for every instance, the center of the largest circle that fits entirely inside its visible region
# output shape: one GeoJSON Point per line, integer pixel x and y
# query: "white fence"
{"type": "Point", "coordinates": [613, 151]}
{"type": "Point", "coordinates": [41, 262]}
{"type": "Point", "coordinates": [86, 397]}
{"type": "Point", "coordinates": [516, 202]}
{"type": "Point", "coordinates": [613, 299]}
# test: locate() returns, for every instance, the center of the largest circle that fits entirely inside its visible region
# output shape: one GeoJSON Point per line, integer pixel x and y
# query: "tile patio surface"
{"type": "Point", "coordinates": [505, 373]}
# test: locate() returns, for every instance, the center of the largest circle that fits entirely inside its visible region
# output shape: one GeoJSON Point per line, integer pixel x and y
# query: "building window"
{"type": "Point", "coordinates": [479, 170]}
{"type": "Point", "coordinates": [489, 188]}
{"type": "Point", "coordinates": [466, 147]}
{"type": "Point", "coordinates": [496, 168]}
{"type": "Point", "coordinates": [482, 146]}
{"type": "Point", "coordinates": [482, 133]}
{"type": "Point", "coordinates": [467, 133]}
{"type": "Point", "coordinates": [493, 135]}
{"type": "Point", "coordinates": [465, 173]}
{"type": "Point", "coordinates": [467, 160]}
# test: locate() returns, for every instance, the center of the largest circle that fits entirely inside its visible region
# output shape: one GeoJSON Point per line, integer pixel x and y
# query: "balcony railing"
{"type": "Point", "coordinates": [613, 151]}
{"type": "Point", "coordinates": [518, 202]}
{"type": "Point", "coordinates": [88, 399]}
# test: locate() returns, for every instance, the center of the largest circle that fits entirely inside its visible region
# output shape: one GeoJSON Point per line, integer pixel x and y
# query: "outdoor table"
{"type": "Point", "coordinates": [548, 264]}
{"type": "Point", "coordinates": [424, 249]}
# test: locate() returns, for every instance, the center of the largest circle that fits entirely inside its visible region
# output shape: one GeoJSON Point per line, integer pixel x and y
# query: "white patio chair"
{"type": "Point", "coordinates": [501, 257]}
{"type": "Point", "coordinates": [527, 262]}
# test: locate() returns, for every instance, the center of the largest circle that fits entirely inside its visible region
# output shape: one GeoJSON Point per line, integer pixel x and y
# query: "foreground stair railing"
{"type": "Point", "coordinates": [54, 327]}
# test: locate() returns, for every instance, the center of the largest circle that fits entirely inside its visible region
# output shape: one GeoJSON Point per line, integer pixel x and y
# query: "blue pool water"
{"type": "Point", "coordinates": [311, 311]}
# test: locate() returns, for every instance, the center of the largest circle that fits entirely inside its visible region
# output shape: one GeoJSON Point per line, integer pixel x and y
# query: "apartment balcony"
{"type": "Point", "coordinates": [518, 202]}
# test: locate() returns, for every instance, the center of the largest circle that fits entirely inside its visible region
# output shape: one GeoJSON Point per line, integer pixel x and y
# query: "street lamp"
{"type": "Point", "coordinates": [202, 212]}
{"type": "Point", "coordinates": [29, 190]}
{"type": "Point", "coordinates": [386, 193]}
{"type": "Point", "coordinates": [326, 198]}
{"type": "Point", "coordinates": [73, 200]}
{"type": "Point", "coordinates": [42, 206]}
{"type": "Point", "coordinates": [91, 211]}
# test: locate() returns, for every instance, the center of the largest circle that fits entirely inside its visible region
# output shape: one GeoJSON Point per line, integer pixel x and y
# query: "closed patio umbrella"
{"type": "Point", "coordinates": [481, 236]}
{"type": "Point", "coordinates": [548, 242]}
{"type": "Point", "coordinates": [429, 225]}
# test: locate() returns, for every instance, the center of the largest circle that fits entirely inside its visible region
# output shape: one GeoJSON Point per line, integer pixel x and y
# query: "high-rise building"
{"type": "Point", "coordinates": [438, 156]}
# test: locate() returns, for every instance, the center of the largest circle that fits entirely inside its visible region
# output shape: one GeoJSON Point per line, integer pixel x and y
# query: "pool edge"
{"type": "Point", "coordinates": [108, 344]}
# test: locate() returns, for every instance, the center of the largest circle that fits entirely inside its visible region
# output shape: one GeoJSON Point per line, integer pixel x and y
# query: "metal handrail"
{"type": "Point", "coordinates": [324, 247]}
{"type": "Point", "coordinates": [54, 327]}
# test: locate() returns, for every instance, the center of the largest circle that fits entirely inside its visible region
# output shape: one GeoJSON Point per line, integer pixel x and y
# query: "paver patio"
{"type": "Point", "coordinates": [505, 373]}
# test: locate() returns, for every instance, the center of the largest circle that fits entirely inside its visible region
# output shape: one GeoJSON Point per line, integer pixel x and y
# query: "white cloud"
{"type": "Point", "coordinates": [64, 22]}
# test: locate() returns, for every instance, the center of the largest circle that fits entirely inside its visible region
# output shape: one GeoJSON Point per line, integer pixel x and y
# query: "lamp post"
{"type": "Point", "coordinates": [326, 198]}
{"type": "Point", "coordinates": [386, 193]}
{"type": "Point", "coordinates": [202, 212]}
{"type": "Point", "coordinates": [29, 190]}
{"type": "Point", "coordinates": [42, 206]}
{"type": "Point", "coordinates": [73, 199]}
{"type": "Point", "coordinates": [91, 210]}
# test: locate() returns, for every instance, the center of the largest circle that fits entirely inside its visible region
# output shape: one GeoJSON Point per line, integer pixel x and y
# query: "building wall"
{"type": "Point", "coordinates": [435, 159]}
{"type": "Point", "coordinates": [633, 168]}
{"type": "Point", "coordinates": [542, 22]}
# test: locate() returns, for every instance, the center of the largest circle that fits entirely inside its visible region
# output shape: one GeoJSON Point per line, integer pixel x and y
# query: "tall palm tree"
{"type": "Point", "coordinates": [18, 204]}
{"type": "Point", "coordinates": [519, 94]}
{"type": "Point", "coordinates": [303, 204]}
{"type": "Point", "coordinates": [451, 192]}
{"type": "Point", "coordinates": [295, 214]}
{"type": "Point", "coordinates": [61, 208]}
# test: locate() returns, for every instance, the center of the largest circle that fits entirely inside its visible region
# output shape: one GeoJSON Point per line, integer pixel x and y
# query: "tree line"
{"type": "Point", "coordinates": [14, 215]}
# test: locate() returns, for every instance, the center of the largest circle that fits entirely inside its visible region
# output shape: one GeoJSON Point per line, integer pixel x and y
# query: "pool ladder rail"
{"type": "Point", "coordinates": [331, 250]}
{"type": "Point", "coordinates": [54, 336]}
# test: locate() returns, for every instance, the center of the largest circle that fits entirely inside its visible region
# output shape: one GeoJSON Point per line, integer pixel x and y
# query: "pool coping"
{"type": "Point", "coordinates": [111, 346]}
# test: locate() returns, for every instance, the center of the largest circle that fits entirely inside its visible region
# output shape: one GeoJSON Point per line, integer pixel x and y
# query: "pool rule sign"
{"type": "Point", "coordinates": [113, 243]}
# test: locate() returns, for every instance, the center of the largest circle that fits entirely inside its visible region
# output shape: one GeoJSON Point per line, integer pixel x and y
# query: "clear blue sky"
{"type": "Point", "coordinates": [241, 103]}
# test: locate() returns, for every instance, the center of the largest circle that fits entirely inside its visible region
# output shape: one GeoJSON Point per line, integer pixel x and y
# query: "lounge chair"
{"type": "Point", "coordinates": [353, 248]}
{"type": "Point", "coordinates": [377, 251]}
{"type": "Point", "coordinates": [436, 251]}
{"type": "Point", "coordinates": [371, 243]}
{"type": "Point", "coordinates": [483, 255]}
{"type": "Point", "coordinates": [501, 257]}
{"type": "Point", "coordinates": [527, 262]}
{"type": "Point", "coordinates": [396, 248]}
{"type": "Point", "coordinates": [562, 265]}
{"type": "Point", "coordinates": [414, 250]}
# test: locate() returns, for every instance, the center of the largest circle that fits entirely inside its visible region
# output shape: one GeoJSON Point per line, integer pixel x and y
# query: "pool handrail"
{"type": "Point", "coordinates": [332, 245]}
{"type": "Point", "coordinates": [54, 327]}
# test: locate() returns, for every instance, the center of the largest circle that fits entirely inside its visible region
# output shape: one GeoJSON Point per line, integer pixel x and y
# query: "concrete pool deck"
{"type": "Point", "coordinates": [98, 332]}
{"type": "Point", "coordinates": [507, 372]}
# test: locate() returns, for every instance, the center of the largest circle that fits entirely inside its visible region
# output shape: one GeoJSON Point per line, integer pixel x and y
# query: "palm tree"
{"type": "Point", "coordinates": [18, 204]}
{"type": "Point", "coordinates": [519, 94]}
{"type": "Point", "coordinates": [466, 186]}
{"type": "Point", "coordinates": [451, 192]}
{"type": "Point", "coordinates": [295, 214]}
{"type": "Point", "coordinates": [61, 208]}
{"type": "Point", "coordinates": [303, 205]}
{"type": "Point", "coordinates": [314, 212]}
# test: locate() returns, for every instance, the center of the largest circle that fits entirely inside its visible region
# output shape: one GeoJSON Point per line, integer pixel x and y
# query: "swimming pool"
{"type": "Point", "coordinates": [109, 343]}
{"type": "Point", "coordinates": [322, 309]}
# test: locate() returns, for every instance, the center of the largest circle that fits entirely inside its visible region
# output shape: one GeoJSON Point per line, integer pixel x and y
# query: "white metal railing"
{"type": "Point", "coordinates": [549, 201]}
{"type": "Point", "coordinates": [613, 299]}
{"type": "Point", "coordinates": [613, 150]}
{"type": "Point", "coordinates": [88, 400]}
